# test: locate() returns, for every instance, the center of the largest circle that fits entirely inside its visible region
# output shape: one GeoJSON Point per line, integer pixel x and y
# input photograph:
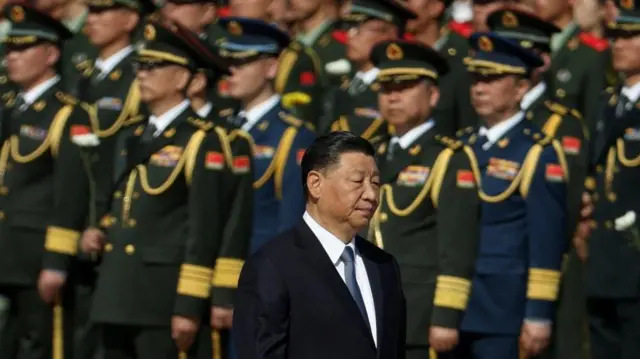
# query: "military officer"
{"type": "Point", "coordinates": [523, 190]}
{"type": "Point", "coordinates": [580, 61]}
{"type": "Point", "coordinates": [454, 109]}
{"type": "Point", "coordinates": [355, 106]}
{"type": "Point", "coordinates": [44, 190]}
{"type": "Point", "coordinates": [428, 185]}
{"type": "Point", "coordinates": [78, 48]}
{"type": "Point", "coordinates": [163, 232]}
{"type": "Point", "coordinates": [280, 139]}
{"type": "Point", "coordinates": [237, 234]}
{"type": "Point", "coordinates": [613, 265]}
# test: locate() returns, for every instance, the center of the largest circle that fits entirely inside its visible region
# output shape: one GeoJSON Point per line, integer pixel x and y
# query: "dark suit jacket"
{"type": "Point", "coordinates": [292, 303]}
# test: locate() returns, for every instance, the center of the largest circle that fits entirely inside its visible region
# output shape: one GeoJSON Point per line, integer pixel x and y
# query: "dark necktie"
{"type": "Point", "coordinates": [148, 133]}
{"type": "Point", "coordinates": [96, 76]}
{"type": "Point", "coordinates": [393, 148]}
{"type": "Point", "coordinates": [348, 258]}
{"type": "Point", "coordinates": [240, 120]}
{"type": "Point", "coordinates": [18, 107]}
{"type": "Point", "coordinates": [624, 105]}
{"type": "Point", "coordinates": [357, 86]}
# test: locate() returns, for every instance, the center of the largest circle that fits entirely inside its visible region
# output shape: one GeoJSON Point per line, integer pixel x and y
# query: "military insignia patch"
{"type": "Point", "coordinates": [503, 143]}
{"type": "Point", "coordinates": [300, 155]}
{"type": "Point", "coordinates": [554, 173]}
{"type": "Point", "coordinates": [17, 14]}
{"type": "Point", "coordinates": [413, 176]}
{"type": "Point", "coordinates": [33, 133]}
{"type": "Point", "coordinates": [509, 20]}
{"type": "Point", "coordinates": [465, 179]}
{"type": "Point", "coordinates": [632, 134]}
{"type": "Point", "coordinates": [502, 169]}
{"type": "Point", "coordinates": [79, 130]}
{"type": "Point", "coordinates": [234, 28]}
{"type": "Point", "coordinates": [149, 32]}
{"type": "Point", "coordinates": [485, 44]}
{"type": "Point", "coordinates": [115, 75]}
{"type": "Point", "coordinates": [394, 52]}
{"type": "Point", "coordinates": [264, 152]}
{"type": "Point", "coordinates": [168, 156]}
{"type": "Point", "coordinates": [138, 130]}
{"type": "Point", "coordinates": [571, 145]}
{"type": "Point", "coordinates": [307, 78]}
{"type": "Point", "coordinates": [241, 164]}
{"type": "Point", "coordinates": [109, 103]}
{"type": "Point", "coordinates": [214, 160]}
{"type": "Point", "coordinates": [169, 133]}
{"type": "Point", "coordinates": [371, 113]}
{"type": "Point", "coordinates": [40, 105]}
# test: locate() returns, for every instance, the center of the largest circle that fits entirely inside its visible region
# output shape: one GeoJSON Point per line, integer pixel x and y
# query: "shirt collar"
{"type": "Point", "coordinates": [632, 93]}
{"type": "Point", "coordinates": [413, 134]}
{"type": "Point", "coordinates": [108, 64]}
{"type": "Point", "coordinates": [32, 95]}
{"type": "Point", "coordinates": [308, 39]}
{"type": "Point", "coordinates": [498, 130]}
{"type": "Point", "coordinates": [205, 110]}
{"type": "Point", "coordinates": [331, 244]}
{"type": "Point", "coordinates": [368, 76]}
{"type": "Point", "coordinates": [255, 114]}
{"type": "Point", "coordinates": [163, 121]}
{"type": "Point", "coordinates": [532, 95]}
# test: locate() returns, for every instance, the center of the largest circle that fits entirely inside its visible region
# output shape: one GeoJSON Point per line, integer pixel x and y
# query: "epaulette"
{"type": "Point", "coordinates": [200, 123]}
{"type": "Point", "coordinates": [226, 112]}
{"type": "Point", "coordinates": [556, 108]}
{"type": "Point", "coordinates": [463, 29]}
{"type": "Point", "coordinates": [292, 99]}
{"type": "Point", "coordinates": [593, 41]}
{"type": "Point", "coordinates": [465, 131]}
{"type": "Point", "coordinates": [290, 119]}
{"type": "Point", "coordinates": [66, 98]}
{"type": "Point", "coordinates": [340, 36]}
{"type": "Point", "coordinates": [449, 142]}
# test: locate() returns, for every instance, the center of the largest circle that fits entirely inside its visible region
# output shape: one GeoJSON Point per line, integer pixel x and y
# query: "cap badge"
{"type": "Point", "coordinates": [17, 14]}
{"type": "Point", "coordinates": [485, 44]}
{"type": "Point", "coordinates": [149, 32]}
{"type": "Point", "coordinates": [394, 52]}
{"type": "Point", "coordinates": [509, 19]}
{"type": "Point", "coordinates": [234, 28]}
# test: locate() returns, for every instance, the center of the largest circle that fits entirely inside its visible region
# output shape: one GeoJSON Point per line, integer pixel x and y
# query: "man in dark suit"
{"type": "Point", "coordinates": [319, 290]}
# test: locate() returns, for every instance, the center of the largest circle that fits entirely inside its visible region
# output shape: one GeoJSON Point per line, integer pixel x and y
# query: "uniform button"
{"type": "Point", "coordinates": [136, 195]}
{"type": "Point", "coordinates": [608, 224]}
{"type": "Point", "coordinates": [4, 190]}
{"type": "Point", "coordinates": [129, 249]}
{"type": "Point", "coordinates": [599, 168]}
{"type": "Point", "coordinates": [132, 222]}
{"type": "Point", "coordinates": [561, 93]}
{"type": "Point", "coordinates": [384, 217]}
{"type": "Point", "coordinates": [612, 197]}
{"type": "Point", "coordinates": [2, 215]}
{"type": "Point", "coordinates": [117, 195]}
{"type": "Point", "coordinates": [108, 247]}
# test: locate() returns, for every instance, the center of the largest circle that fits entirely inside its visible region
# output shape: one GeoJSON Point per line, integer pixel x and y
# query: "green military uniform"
{"type": "Point", "coordinates": [428, 187]}
{"type": "Point", "coordinates": [324, 42]}
{"type": "Point", "coordinates": [43, 198]}
{"type": "Point", "coordinates": [567, 126]}
{"type": "Point", "coordinates": [578, 73]}
{"type": "Point", "coordinates": [165, 225]}
{"type": "Point", "coordinates": [76, 52]}
{"type": "Point", "coordinates": [354, 107]}
{"type": "Point", "coordinates": [5, 26]}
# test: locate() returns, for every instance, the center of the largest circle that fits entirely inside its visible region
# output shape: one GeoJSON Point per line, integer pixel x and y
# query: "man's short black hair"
{"type": "Point", "coordinates": [326, 150]}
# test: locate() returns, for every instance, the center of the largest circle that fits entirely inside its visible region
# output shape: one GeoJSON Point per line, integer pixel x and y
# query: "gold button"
{"type": "Point", "coordinates": [2, 215]}
{"type": "Point", "coordinates": [4, 190]}
{"type": "Point", "coordinates": [129, 249]}
{"type": "Point", "coordinates": [108, 247]}
{"type": "Point", "coordinates": [608, 224]}
{"type": "Point", "coordinates": [452, 52]}
{"type": "Point", "coordinates": [612, 197]}
{"type": "Point", "coordinates": [132, 222]}
{"type": "Point", "coordinates": [136, 195]}
{"type": "Point", "coordinates": [561, 93]}
{"type": "Point", "coordinates": [599, 168]}
{"type": "Point", "coordinates": [117, 195]}
{"type": "Point", "coordinates": [384, 217]}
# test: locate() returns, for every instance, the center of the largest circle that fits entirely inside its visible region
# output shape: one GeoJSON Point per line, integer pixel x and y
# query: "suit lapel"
{"type": "Point", "coordinates": [322, 266]}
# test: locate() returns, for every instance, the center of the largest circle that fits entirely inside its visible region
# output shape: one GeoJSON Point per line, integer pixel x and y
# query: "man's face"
{"type": "Point", "coordinates": [625, 54]}
{"type": "Point", "coordinates": [550, 10]}
{"type": "Point", "coordinates": [26, 66]}
{"type": "Point", "coordinates": [105, 27]}
{"type": "Point", "coordinates": [157, 82]}
{"type": "Point", "coordinates": [250, 79]}
{"type": "Point", "coordinates": [481, 11]}
{"type": "Point", "coordinates": [193, 16]}
{"type": "Point", "coordinates": [254, 9]}
{"type": "Point", "coordinates": [365, 36]}
{"type": "Point", "coordinates": [496, 95]}
{"type": "Point", "coordinates": [350, 189]}
{"type": "Point", "coordinates": [303, 9]}
{"type": "Point", "coordinates": [427, 11]}
{"type": "Point", "coordinates": [407, 103]}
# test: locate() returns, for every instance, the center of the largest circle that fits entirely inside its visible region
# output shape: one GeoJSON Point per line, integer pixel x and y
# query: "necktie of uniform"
{"type": "Point", "coordinates": [347, 258]}
{"type": "Point", "coordinates": [96, 76]}
{"type": "Point", "coordinates": [393, 147]}
{"type": "Point", "coordinates": [624, 105]}
{"type": "Point", "coordinates": [149, 133]}
{"type": "Point", "coordinates": [18, 107]}
{"type": "Point", "coordinates": [356, 86]}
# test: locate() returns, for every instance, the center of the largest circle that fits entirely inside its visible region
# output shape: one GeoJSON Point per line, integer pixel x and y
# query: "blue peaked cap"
{"type": "Point", "coordinates": [497, 55]}
{"type": "Point", "coordinates": [251, 36]}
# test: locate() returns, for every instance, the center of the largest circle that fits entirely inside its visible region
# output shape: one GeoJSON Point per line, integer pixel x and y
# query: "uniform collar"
{"type": "Point", "coordinates": [558, 40]}
{"type": "Point", "coordinates": [32, 95]}
{"type": "Point", "coordinates": [532, 95]}
{"type": "Point", "coordinates": [368, 76]}
{"type": "Point", "coordinates": [412, 135]}
{"type": "Point", "coordinates": [108, 64]}
{"type": "Point", "coordinates": [331, 244]}
{"type": "Point", "coordinates": [205, 110]}
{"type": "Point", "coordinates": [632, 93]}
{"type": "Point", "coordinates": [496, 132]}
{"type": "Point", "coordinates": [163, 121]}
{"type": "Point", "coordinates": [255, 114]}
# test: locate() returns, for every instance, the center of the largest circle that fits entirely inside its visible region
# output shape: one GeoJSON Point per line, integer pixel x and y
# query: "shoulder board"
{"type": "Point", "coordinates": [340, 36]}
{"type": "Point", "coordinates": [290, 119]}
{"type": "Point", "coordinates": [463, 29]}
{"type": "Point", "coordinates": [200, 123]}
{"type": "Point", "coordinates": [465, 131]}
{"type": "Point", "coordinates": [556, 107]}
{"type": "Point", "coordinates": [593, 41]}
{"type": "Point", "coordinates": [449, 142]}
{"type": "Point", "coordinates": [66, 98]}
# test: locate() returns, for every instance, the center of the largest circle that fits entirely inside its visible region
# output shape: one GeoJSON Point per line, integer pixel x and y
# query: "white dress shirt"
{"type": "Point", "coordinates": [163, 121]}
{"type": "Point", "coordinates": [257, 112]}
{"type": "Point", "coordinates": [334, 248]}
{"type": "Point", "coordinates": [497, 131]}
{"type": "Point", "coordinates": [532, 95]}
{"type": "Point", "coordinates": [368, 76]}
{"type": "Point", "coordinates": [632, 93]}
{"type": "Point", "coordinates": [32, 95]}
{"type": "Point", "coordinates": [413, 134]}
{"type": "Point", "coordinates": [205, 110]}
{"type": "Point", "coordinates": [107, 65]}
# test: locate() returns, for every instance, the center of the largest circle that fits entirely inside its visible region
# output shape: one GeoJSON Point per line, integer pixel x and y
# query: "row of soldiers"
{"type": "Point", "coordinates": [148, 154]}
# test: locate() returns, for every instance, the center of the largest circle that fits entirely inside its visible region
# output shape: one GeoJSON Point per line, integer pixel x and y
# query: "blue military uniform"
{"type": "Point", "coordinates": [523, 189]}
{"type": "Point", "coordinates": [280, 139]}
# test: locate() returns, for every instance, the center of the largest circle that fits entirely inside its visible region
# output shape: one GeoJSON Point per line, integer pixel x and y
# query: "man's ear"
{"type": "Point", "coordinates": [315, 181]}
{"type": "Point", "coordinates": [198, 84]}
{"type": "Point", "coordinates": [272, 68]}
{"type": "Point", "coordinates": [52, 55]}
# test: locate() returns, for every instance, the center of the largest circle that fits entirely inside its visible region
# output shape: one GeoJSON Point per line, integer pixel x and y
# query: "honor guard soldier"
{"type": "Point", "coordinates": [355, 106]}
{"type": "Point", "coordinates": [237, 234]}
{"type": "Point", "coordinates": [428, 186]}
{"type": "Point", "coordinates": [280, 139]}
{"type": "Point", "coordinates": [567, 126]}
{"type": "Point", "coordinates": [164, 229]}
{"type": "Point", "coordinates": [78, 49]}
{"type": "Point", "coordinates": [580, 61]}
{"type": "Point", "coordinates": [454, 110]}
{"type": "Point", "coordinates": [523, 213]}
{"type": "Point", "coordinates": [44, 190]}
{"type": "Point", "coordinates": [613, 266]}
